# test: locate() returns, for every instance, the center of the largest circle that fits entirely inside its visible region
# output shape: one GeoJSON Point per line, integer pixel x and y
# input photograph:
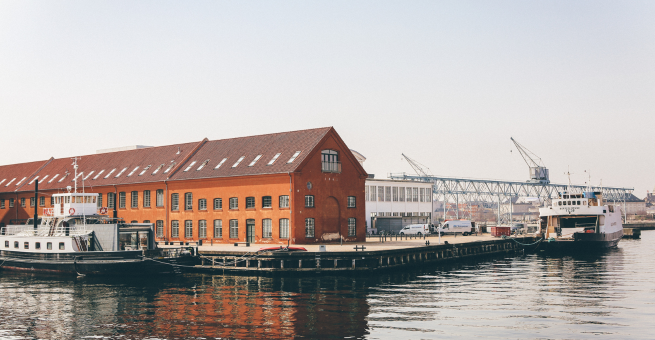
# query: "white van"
{"type": "Point", "coordinates": [463, 227]}
{"type": "Point", "coordinates": [415, 229]}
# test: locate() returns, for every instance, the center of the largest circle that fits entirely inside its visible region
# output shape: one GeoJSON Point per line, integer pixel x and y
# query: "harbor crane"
{"type": "Point", "coordinates": [538, 172]}
{"type": "Point", "coordinates": [418, 167]}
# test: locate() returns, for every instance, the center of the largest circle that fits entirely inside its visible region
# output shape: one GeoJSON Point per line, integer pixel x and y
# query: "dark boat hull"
{"type": "Point", "coordinates": [583, 242]}
{"type": "Point", "coordinates": [87, 263]}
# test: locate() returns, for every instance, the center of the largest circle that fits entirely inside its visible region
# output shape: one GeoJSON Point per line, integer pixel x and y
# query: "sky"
{"type": "Point", "coordinates": [447, 83]}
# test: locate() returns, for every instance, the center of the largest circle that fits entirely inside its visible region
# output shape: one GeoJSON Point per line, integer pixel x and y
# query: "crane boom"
{"type": "Point", "coordinates": [538, 172]}
{"type": "Point", "coordinates": [418, 167]}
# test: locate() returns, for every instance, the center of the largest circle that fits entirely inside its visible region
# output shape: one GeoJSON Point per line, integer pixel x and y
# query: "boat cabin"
{"type": "Point", "coordinates": [73, 204]}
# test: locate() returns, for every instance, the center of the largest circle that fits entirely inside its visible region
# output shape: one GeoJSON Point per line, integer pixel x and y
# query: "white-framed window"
{"type": "Point", "coordinates": [99, 200]}
{"type": "Point", "coordinates": [32, 201]}
{"type": "Point", "coordinates": [111, 200]}
{"type": "Point", "coordinates": [421, 195]}
{"type": "Point", "coordinates": [234, 203]}
{"type": "Point", "coordinates": [160, 228]}
{"type": "Point", "coordinates": [267, 228]}
{"type": "Point", "coordinates": [309, 201]}
{"type": "Point", "coordinates": [218, 203]}
{"type": "Point", "coordinates": [401, 194]}
{"type": "Point", "coordinates": [218, 228]}
{"type": "Point", "coordinates": [387, 194]}
{"type": "Point", "coordinates": [284, 228]}
{"type": "Point", "coordinates": [188, 229]}
{"type": "Point", "coordinates": [351, 227]}
{"type": "Point", "coordinates": [202, 204]}
{"type": "Point", "coordinates": [380, 194]}
{"type": "Point", "coordinates": [175, 228]}
{"type": "Point", "coordinates": [374, 193]}
{"type": "Point", "coordinates": [11, 202]}
{"type": "Point", "coordinates": [293, 158]}
{"type": "Point", "coordinates": [394, 192]}
{"type": "Point", "coordinates": [366, 193]}
{"type": "Point", "coordinates": [146, 198]}
{"type": "Point", "coordinates": [415, 194]}
{"type": "Point", "coordinates": [309, 227]}
{"type": "Point", "coordinates": [284, 201]}
{"type": "Point", "coordinates": [202, 229]}
{"type": "Point", "coordinates": [159, 197]}
{"type": "Point", "coordinates": [134, 200]}
{"type": "Point", "coordinates": [351, 201]}
{"type": "Point", "coordinates": [267, 202]}
{"type": "Point", "coordinates": [175, 202]}
{"type": "Point", "coordinates": [234, 228]}
{"type": "Point", "coordinates": [188, 201]}
{"type": "Point", "coordinates": [274, 159]}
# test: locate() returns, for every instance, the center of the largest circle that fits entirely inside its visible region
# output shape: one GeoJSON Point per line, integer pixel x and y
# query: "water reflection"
{"type": "Point", "coordinates": [532, 296]}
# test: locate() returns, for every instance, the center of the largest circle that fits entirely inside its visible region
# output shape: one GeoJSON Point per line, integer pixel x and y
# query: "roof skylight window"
{"type": "Point", "coordinates": [53, 178]}
{"type": "Point", "coordinates": [78, 176]}
{"type": "Point", "coordinates": [203, 164]}
{"type": "Point", "coordinates": [293, 158]}
{"type": "Point", "coordinates": [2, 181]}
{"type": "Point", "coordinates": [109, 173]}
{"type": "Point", "coordinates": [274, 159]}
{"type": "Point", "coordinates": [62, 178]}
{"type": "Point", "coordinates": [21, 181]}
{"type": "Point", "coordinates": [132, 172]}
{"type": "Point", "coordinates": [33, 179]}
{"type": "Point", "coordinates": [120, 173]}
{"type": "Point", "coordinates": [145, 169]}
{"type": "Point", "coordinates": [169, 167]}
{"type": "Point", "coordinates": [158, 168]}
{"type": "Point", "coordinates": [42, 179]}
{"type": "Point", "coordinates": [10, 182]}
{"type": "Point", "coordinates": [221, 163]}
{"type": "Point", "coordinates": [89, 175]}
{"type": "Point", "coordinates": [98, 174]}
{"type": "Point", "coordinates": [255, 160]}
{"type": "Point", "coordinates": [238, 161]}
{"type": "Point", "coordinates": [189, 167]}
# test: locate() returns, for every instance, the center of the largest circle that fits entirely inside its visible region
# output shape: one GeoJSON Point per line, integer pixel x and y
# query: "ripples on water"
{"type": "Point", "coordinates": [609, 295]}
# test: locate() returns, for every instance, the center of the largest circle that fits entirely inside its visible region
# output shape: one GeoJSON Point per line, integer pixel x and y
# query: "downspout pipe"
{"type": "Point", "coordinates": [291, 208]}
{"type": "Point", "coordinates": [115, 215]}
{"type": "Point", "coordinates": [36, 203]}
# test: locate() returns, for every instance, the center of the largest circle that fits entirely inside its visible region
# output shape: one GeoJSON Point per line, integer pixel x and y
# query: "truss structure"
{"type": "Point", "coordinates": [459, 196]}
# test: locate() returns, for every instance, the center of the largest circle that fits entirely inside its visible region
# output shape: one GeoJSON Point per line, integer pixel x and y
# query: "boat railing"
{"type": "Point", "coordinates": [43, 230]}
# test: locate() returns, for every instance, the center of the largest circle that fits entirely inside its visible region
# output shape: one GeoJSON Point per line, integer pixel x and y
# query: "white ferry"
{"type": "Point", "coordinates": [581, 222]}
{"type": "Point", "coordinates": [74, 237]}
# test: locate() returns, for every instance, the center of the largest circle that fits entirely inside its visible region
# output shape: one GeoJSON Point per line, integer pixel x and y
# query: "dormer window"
{"type": "Point", "coordinates": [255, 160]}
{"type": "Point", "coordinates": [221, 163]}
{"type": "Point", "coordinates": [203, 165]}
{"type": "Point", "coordinates": [274, 159]}
{"type": "Point", "coordinates": [293, 158]}
{"type": "Point", "coordinates": [238, 161]}
{"type": "Point", "coordinates": [330, 161]}
{"type": "Point", "coordinates": [190, 166]}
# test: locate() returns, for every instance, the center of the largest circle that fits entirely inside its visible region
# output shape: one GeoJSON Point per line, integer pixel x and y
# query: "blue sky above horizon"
{"type": "Point", "coordinates": [447, 83]}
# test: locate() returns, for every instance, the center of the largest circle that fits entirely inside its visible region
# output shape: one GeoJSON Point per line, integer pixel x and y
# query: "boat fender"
{"type": "Point", "coordinates": [71, 211]}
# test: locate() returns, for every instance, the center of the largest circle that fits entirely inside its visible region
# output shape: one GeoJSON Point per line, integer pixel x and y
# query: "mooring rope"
{"type": "Point", "coordinates": [524, 244]}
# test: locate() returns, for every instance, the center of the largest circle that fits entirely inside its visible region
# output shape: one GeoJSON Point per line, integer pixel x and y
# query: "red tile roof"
{"type": "Point", "coordinates": [124, 163]}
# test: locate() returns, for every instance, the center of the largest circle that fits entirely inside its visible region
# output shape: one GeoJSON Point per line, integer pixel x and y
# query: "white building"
{"type": "Point", "coordinates": [393, 204]}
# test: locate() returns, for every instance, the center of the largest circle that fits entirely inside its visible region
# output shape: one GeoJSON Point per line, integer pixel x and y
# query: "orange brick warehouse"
{"type": "Point", "coordinates": [301, 186]}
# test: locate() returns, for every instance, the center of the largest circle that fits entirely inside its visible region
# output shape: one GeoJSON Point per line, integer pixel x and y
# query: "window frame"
{"type": "Point", "coordinates": [250, 202]}
{"type": "Point", "coordinates": [310, 227]}
{"type": "Point", "coordinates": [202, 229]}
{"type": "Point", "coordinates": [159, 198]}
{"type": "Point", "coordinates": [188, 229]}
{"type": "Point", "coordinates": [234, 229]}
{"type": "Point", "coordinates": [234, 203]}
{"type": "Point", "coordinates": [134, 200]}
{"type": "Point", "coordinates": [309, 201]}
{"type": "Point", "coordinates": [220, 203]}
{"type": "Point", "coordinates": [175, 229]}
{"type": "Point", "coordinates": [159, 228]}
{"type": "Point", "coordinates": [353, 200]}
{"type": "Point", "coordinates": [202, 204]}
{"type": "Point", "coordinates": [352, 226]}
{"type": "Point", "coordinates": [269, 200]}
{"type": "Point", "coordinates": [146, 199]}
{"type": "Point", "coordinates": [121, 200]}
{"type": "Point", "coordinates": [285, 199]}
{"type": "Point", "coordinates": [175, 201]}
{"type": "Point", "coordinates": [283, 232]}
{"type": "Point", "coordinates": [218, 226]}
{"type": "Point", "coordinates": [267, 228]}
{"type": "Point", "coordinates": [188, 201]}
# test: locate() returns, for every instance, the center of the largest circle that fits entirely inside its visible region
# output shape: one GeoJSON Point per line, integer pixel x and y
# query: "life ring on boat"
{"type": "Point", "coordinates": [71, 211]}
{"type": "Point", "coordinates": [103, 210]}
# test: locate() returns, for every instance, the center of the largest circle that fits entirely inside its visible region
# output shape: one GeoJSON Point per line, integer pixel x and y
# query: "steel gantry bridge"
{"type": "Point", "coordinates": [460, 194]}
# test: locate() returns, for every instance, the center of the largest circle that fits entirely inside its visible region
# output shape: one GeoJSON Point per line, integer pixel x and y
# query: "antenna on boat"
{"type": "Point", "coordinates": [75, 167]}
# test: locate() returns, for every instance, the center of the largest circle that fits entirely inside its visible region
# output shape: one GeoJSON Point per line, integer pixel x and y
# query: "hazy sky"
{"type": "Point", "coordinates": [445, 82]}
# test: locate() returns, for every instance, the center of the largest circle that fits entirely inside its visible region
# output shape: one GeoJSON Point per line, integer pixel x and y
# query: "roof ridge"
{"type": "Point", "coordinates": [327, 128]}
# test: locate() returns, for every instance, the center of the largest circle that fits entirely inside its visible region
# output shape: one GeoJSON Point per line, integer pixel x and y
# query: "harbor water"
{"type": "Point", "coordinates": [610, 295]}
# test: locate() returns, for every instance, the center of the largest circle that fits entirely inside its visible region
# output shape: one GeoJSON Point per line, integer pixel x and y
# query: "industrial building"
{"type": "Point", "coordinates": [393, 204]}
{"type": "Point", "coordinates": [298, 187]}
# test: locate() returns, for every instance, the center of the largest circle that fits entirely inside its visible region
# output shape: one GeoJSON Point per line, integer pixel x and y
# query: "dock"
{"type": "Point", "coordinates": [365, 257]}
